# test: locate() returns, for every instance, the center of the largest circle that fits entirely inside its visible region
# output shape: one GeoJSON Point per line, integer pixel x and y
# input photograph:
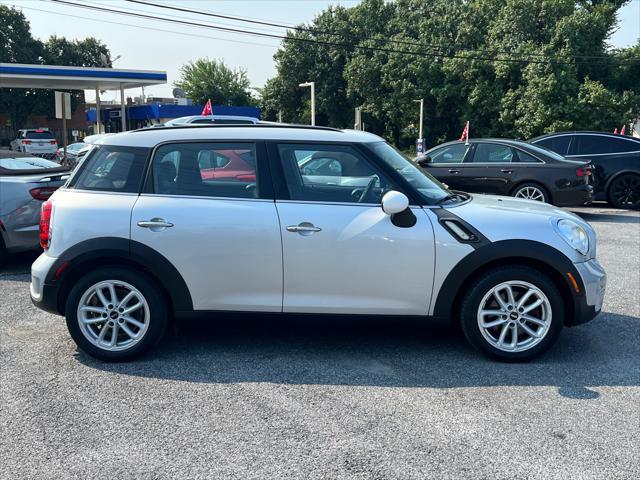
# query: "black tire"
{"type": "Point", "coordinates": [157, 317]}
{"type": "Point", "coordinates": [4, 255]}
{"type": "Point", "coordinates": [531, 185]}
{"type": "Point", "coordinates": [469, 311]}
{"type": "Point", "coordinates": [624, 191]}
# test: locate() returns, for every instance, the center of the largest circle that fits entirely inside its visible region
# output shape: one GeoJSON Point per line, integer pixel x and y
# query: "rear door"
{"type": "Point", "coordinates": [220, 232]}
{"type": "Point", "coordinates": [447, 164]}
{"type": "Point", "coordinates": [490, 169]}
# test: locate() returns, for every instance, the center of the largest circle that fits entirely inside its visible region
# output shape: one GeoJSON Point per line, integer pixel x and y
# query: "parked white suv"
{"type": "Point", "coordinates": [167, 223]}
{"type": "Point", "coordinates": [36, 141]}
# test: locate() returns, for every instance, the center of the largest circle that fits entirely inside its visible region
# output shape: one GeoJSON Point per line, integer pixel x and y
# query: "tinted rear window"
{"type": "Point", "coordinates": [112, 169]}
{"type": "Point", "coordinates": [27, 163]}
{"type": "Point", "coordinates": [39, 135]}
{"type": "Point", "coordinates": [601, 144]}
{"type": "Point", "coordinates": [557, 144]}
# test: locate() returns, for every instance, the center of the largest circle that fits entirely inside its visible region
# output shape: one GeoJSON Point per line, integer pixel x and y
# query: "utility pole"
{"type": "Point", "coordinates": [358, 122]}
{"type": "Point", "coordinates": [313, 99]}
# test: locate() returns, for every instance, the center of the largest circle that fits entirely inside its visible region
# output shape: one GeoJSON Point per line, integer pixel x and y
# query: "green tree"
{"type": "Point", "coordinates": [211, 79]}
{"type": "Point", "coordinates": [513, 68]}
{"type": "Point", "coordinates": [17, 45]}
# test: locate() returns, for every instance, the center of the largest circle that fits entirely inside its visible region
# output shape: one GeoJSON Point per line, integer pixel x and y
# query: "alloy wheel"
{"type": "Point", "coordinates": [514, 316]}
{"type": "Point", "coordinates": [531, 193]}
{"type": "Point", "coordinates": [113, 315]}
{"type": "Point", "coordinates": [626, 191]}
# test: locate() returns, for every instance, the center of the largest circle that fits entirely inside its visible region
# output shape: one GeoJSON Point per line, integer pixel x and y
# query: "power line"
{"type": "Point", "coordinates": [148, 28]}
{"type": "Point", "coordinates": [317, 31]}
{"type": "Point", "coordinates": [316, 41]}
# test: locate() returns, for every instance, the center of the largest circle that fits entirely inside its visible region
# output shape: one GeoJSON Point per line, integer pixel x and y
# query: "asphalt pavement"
{"type": "Point", "coordinates": [302, 398]}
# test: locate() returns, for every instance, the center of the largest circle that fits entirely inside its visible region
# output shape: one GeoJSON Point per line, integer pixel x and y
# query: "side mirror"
{"type": "Point", "coordinates": [394, 202]}
{"type": "Point", "coordinates": [424, 161]}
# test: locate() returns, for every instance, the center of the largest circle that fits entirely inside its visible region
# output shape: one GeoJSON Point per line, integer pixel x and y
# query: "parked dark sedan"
{"type": "Point", "coordinates": [510, 167]}
{"type": "Point", "coordinates": [616, 161]}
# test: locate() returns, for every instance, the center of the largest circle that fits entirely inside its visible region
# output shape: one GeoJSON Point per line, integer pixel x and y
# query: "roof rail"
{"type": "Point", "coordinates": [242, 125]}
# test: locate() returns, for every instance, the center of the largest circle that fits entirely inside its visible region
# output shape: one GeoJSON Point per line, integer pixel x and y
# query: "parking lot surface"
{"type": "Point", "coordinates": [306, 398]}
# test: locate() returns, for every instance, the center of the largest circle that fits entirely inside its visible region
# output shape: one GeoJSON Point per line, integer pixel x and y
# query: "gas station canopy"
{"type": "Point", "coordinates": [52, 77]}
{"type": "Point", "coordinates": [14, 75]}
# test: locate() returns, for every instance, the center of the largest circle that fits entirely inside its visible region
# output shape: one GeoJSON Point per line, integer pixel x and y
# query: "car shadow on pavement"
{"type": "Point", "coordinates": [631, 217]}
{"type": "Point", "coordinates": [383, 353]}
{"type": "Point", "coordinates": [18, 264]}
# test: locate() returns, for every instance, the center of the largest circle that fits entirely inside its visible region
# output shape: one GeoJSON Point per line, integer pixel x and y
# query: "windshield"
{"type": "Point", "coordinates": [430, 189]}
{"type": "Point", "coordinates": [26, 163]}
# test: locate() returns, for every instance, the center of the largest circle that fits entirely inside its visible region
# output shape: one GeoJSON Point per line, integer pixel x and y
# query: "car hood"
{"type": "Point", "coordinates": [507, 218]}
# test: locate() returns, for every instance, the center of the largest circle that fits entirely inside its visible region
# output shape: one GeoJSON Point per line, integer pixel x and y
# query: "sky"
{"type": "Point", "coordinates": [164, 46]}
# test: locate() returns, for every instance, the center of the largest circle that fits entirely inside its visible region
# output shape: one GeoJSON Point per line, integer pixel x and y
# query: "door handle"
{"type": "Point", "coordinates": [454, 171]}
{"type": "Point", "coordinates": [304, 228]}
{"type": "Point", "coordinates": [155, 223]}
{"type": "Point", "coordinates": [506, 170]}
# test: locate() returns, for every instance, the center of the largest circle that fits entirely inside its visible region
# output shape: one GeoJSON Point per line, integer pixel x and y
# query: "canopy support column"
{"type": "Point", "coordinates": [98, 122]}
{"type": "Point", "coordinates": [123, 110]}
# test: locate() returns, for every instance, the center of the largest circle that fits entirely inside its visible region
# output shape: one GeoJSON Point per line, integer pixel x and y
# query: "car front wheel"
{"type": "Point", "coordinates": [115, 314]}
{"type": "Point", "coordinates": [512, 313]}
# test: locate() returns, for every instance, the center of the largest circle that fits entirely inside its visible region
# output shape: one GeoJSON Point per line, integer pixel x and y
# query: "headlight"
{"type": "Point", "coordinates": [574, 235]}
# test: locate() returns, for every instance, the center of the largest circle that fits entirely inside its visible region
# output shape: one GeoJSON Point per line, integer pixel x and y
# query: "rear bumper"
{"type": "Point", "coordinates": [43, 296]}
{"type": "Point", "coordinates": [573, 196]}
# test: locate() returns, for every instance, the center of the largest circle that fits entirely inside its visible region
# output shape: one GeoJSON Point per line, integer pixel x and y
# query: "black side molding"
{"type": "Point", "coordinates": [101, 251]}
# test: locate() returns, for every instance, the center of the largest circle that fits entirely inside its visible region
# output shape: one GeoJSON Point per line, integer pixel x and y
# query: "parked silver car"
{"type": "Point", "coordinates": [209, 120]}
{"type": "Point", "coordinates": [25, 182]}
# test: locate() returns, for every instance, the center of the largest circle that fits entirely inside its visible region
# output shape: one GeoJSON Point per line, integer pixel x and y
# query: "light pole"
{"type": "Point", "coordinates": [313, 99]}
{"type": "Point", "coordinates": [421, 102]}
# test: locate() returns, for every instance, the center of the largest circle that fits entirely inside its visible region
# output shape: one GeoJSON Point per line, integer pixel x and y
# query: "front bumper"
{"type": "Point", "coordinates": [594, 280]}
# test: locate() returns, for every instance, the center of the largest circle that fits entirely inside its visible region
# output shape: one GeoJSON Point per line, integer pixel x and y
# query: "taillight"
{"type": "Point", "coordinates": [45, 224]}
{"type": "Point", "coordinates": [53, 142]}
{"type": "Point", "coordinates": [583, 171]}
{"type": "Point", "coordinates": [26, 142]}
{"type": "Point", "coordinates": [42, 193]}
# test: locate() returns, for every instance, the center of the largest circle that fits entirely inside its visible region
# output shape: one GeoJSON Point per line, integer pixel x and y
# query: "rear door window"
{"type": "Point", "coordinates": [492, 153]}
{"type": "Point", "coordinates": [226, 170]}
{"type": "Point", "coordinates": [112, 169]}
{"type": "Point", "coordinates": [601, 144]}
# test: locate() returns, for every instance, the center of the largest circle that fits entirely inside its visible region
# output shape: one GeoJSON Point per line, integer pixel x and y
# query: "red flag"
{"type": "Point", "coordinates": [622, 130]}
{"type": "Point", "coordinates": [465, 133]}
{"type": "Point", "coordinates": [207, 108]}
{"type": "Point", "coordinates": [615, 130]}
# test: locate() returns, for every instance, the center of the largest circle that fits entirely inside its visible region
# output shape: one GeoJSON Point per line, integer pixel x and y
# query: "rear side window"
{"type": "Point", "coordinates": [600, 144]}
{"type": "Point", "coordinates": [226, 170]}
{"type": "Point", "coordinates": [524, 157]}
{"type": "Point", "coordinates": [112, 169]}
{"type": "Point", "coordinates": [35, 135]}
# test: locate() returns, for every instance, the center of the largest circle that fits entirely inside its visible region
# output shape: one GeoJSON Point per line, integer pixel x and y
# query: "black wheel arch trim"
{"type": "Point", "coordinates": [527, 251]}
{"type": "Point", "coordinates": [113, 249]}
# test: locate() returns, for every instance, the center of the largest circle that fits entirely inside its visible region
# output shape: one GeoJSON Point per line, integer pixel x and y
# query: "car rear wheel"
{"type": "Point", "coordinates": [512, 313]}
{"type": "Point", "coordinates": [624, 191]}
{"type": "Point", "coordinates": [531, 191]}
{"type": "Point", "coordinates": [115, 314]}
{"type": "Point", "coordinates": [4, 255]}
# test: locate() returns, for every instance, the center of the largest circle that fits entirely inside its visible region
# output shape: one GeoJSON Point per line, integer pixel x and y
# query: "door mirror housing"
{"type": "Point", "coordinates": [424, 161]}
{"type": "Point", "coordinates": [394, 202]}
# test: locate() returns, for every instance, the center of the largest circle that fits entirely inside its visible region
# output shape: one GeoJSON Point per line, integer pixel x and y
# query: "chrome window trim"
{"type": "Point", "coordinates": [346, 204]}
{"type": "Point", "coordinates": [206, 197]}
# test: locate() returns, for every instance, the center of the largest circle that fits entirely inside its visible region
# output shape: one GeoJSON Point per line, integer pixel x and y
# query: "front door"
{"type": "Point", "coordinates": [447, 165]}
{"type": "Point", "coordinates": [341, 252]}
{"type": "Point", "coordinates": [219, 231]}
